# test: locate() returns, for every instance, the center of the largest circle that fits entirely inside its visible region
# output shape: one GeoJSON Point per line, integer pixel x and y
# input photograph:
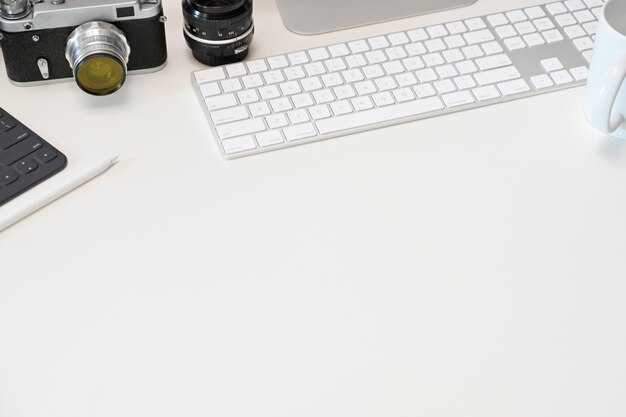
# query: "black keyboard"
{"type": "Point", "coordinates": [25, 158]}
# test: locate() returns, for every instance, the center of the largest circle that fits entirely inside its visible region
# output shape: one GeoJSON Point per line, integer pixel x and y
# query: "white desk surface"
{"type": "Point", "coordinates": [468, 265]}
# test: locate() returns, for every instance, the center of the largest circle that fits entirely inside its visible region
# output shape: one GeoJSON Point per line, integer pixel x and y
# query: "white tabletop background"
{"type": "Point", "coordinates": [467, 265]}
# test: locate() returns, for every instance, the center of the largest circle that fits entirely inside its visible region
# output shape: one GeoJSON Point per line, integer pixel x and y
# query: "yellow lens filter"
{"type": "Point", "coordinates": [100, 74]}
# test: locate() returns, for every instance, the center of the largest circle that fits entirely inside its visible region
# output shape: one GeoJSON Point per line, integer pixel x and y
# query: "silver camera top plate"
{"type": "Point", "coordinates": [46, 15]}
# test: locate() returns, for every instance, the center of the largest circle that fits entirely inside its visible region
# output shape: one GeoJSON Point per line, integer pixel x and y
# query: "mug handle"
{"type": "Point", "coordinates": [614, 80]}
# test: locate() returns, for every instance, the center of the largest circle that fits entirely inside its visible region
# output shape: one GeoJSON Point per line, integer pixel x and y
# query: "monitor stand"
{"type": "Point", "coordinates": [310, 17]}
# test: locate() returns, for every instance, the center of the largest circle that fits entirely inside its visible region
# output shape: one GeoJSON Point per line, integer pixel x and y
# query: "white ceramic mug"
{"type": "Point", "coordinates": [605, 101]}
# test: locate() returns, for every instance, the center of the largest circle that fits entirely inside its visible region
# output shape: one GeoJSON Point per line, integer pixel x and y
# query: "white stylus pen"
{"type": "Point", "coordinates": [30, 205]}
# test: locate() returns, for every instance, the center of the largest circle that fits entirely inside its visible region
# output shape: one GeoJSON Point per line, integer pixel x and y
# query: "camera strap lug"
{"type": "Point", "coordinates": [42, 63]}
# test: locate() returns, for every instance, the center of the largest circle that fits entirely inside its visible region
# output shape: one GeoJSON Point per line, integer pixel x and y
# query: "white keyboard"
{"type": "Point", "coordinates": [306, 96]}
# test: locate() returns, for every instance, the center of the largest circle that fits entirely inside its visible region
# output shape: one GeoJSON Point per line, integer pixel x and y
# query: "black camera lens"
{"type": "Point", "coordinates": [218, 31]}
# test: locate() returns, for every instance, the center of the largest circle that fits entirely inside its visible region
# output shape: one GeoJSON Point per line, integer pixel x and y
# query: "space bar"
{"type": "Point", "coordinates": [379, 115]}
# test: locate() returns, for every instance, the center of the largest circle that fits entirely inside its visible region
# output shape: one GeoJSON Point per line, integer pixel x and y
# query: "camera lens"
{"type": "Point", "coordinates": [98, 53]}
{"type": "Point", "coordinates": [218, 31]}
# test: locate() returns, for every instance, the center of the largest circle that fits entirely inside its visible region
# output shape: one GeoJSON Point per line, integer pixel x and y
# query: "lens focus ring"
{"type": "Point", "coordinates": [98, 54]}
{"type": "Point", "coordinates": [96, 37]}
{"type": "Point", "coordinates": [213, 24]}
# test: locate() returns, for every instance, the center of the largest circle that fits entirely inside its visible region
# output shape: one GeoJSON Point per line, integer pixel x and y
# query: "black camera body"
{"type": "Point", "coordinates": [35, 43]}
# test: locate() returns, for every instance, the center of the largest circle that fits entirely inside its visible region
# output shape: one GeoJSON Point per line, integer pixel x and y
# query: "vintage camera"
{"type": "Point", "coordinates": [95, 41]}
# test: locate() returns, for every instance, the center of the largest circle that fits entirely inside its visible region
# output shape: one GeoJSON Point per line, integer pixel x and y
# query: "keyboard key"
{"type": "Point", "coordinates": [573, 5]}
{"type": "Point", "coordinates": [398, 39]}
{"type": "Point", "coordinates": [534, 12]}
{"type": "Point", "coordinates": [280, 104]}
{"type": "Point", "coordinates": [365, 87]}
{"type": "Point", "coordinates": [437, 31]}
{"type": "Point", "coordinates": [220, 102]}
{"type": "Point", "coordinates": [534, 39]}
{"type": "Point", "coordinates": [358, 47]}
{"type": "Point", "coordinates": [298, 116]}
{"type": "Point", "coordinates": [338, 50]}
{"type": "Point", "coordinates": [497, 75]}
{"type": "Point", "coordinates": [362, 103]}
{"type": "Point", "coordinates": [12, 137]}
{"type": "Point", "coordinates": [488, 92]}
{"type": "Point", "coordinates": [7, 124]}
{"type": "Point", "coordinates": [236, 70]}
{"type": "Point", "coordinates": [259, 109]}
{"type": "Point", "coordinates": [231, 130]}
{"type": "Point", "coordinates": [543, 24]}
{"type": "Point", "coordinates": [229, 115]}
{"type": "Point", "coordinates": [459, 98]}
{"type": "Point", "coordinates": [416, 48]}
{"type": "Point", "coordinates": [478, 36]}
{"type": "Point", "coordinates": [556, 8]}
{"type": "Point", "coordinates": [320, 112]}
{"type": "Point", "coordinates": [278, 62]}
{"type": "Point", "coordinates": [433, 60]}
{"type": "Point", "coordinates": [403, 94]}
{"type": "Point", "coordinates": [298, 132]}
{"type": "Point", "coordinates": [494, 61]}
{"type": "Point", "coordinates": [323, 96]}
{"type": "Point", "coordinates": [45, 156]}
{"type": "Point", "coordinates": [7, 177]}
{"type": "Point", "coordinates": [551, 64]}
{"type": "Point", "coordinates": [524, 28]}
{"type": "Point", "coordinates": [506, 31]}
{"type": "Point", "coordinates": [498, 19]}
{"type": "Point", "coordinates": [435, 45]}
{"type": "Point", "coordinates": [276, 121]}
{"type": "Point", "coordinates": [302, 100]}
{"type": "Point", "coordinates": [583, 44]}
{"type": "Point", "coordinates": [378, 42]}
{"type": "Point", "coordinates": [464, 82]}
{"type": "Point", "coordinates": [579, 73]}
{"type": "Point", "coordinates": [456, 27]}
{"type": "Point", "coordinates": [209, 75]}
{"type": "Point", "coordinates": [492, 48]}
{"type": "Point", "coordinates": [444, 86]}
{"type": "Point", "coordinates": [341, 107]}
{"type": "Point", "coordinates": [417, 35]}
{"type": "Point", "coordinates": [476, 23]}
{"type": "Point", "coordinates": [565, 19]}
{"type": "Point", "coordinates": [298, 58]}
{"type": "Point", "coordinates": [210, 89]}
{"type": "Point", "coordinates": [516, 16]}
{"type": "Point", "coordinates": [424, 90]}
{"type": "Point", "coordinates": [240, 144]}
{"type": "Point", "coordinates": [265, 139]}
{"type": "Point", "coordinates": [26, 166]}
{"type": "Point", "coordinates": [294, 73]}
{"type": "Point", "coordinates": [383, 99]}
{"type": "Point", "coordinates": [229, 86]}
{"type": "Point", "coordinates": [542, 81]}
{"type": "Point", "coordinates": [269, 92]}
{"type": "Point", "coordinates": [257, 66]}
{"type": "Point", "coordinates": [318, 54]}
{"type": "Point", "coordinates": [248, 96]}
{"type": "Point", "coordinates": [466, 67]}
{"type": "Point", "coordinates": [513, 87]}
{"type": "Point", "coordinates": [561, 77]}
{"type": "Point", "coordinates": [515, 43]}
{"type": "Point", "coordinates": [252, 81]}
{"type": "Point", "coordinates": [552, 36]}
